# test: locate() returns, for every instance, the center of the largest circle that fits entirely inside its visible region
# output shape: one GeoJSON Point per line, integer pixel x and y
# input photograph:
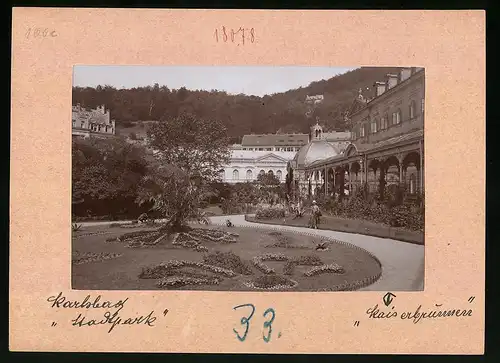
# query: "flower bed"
{"type": "Point", "coordinates": [166, 268]}
{"type": "Point", "coordinates": [331, 268]}
{"type": "Point", "coordinates": [79, 258]}
{"type": "Point", "coordinates": [273, 282]}
{"type": "Point", "coordinates": [258, 261]}
{"type": "Point", "coordinates": [179, 281]}
{"type": "Point", "coordinates": [213, 235]}
{"type": "Point", "coordinates": [228, 260]}
{"type": "Point", "coordinates": [187, 241]}
{"type": "Point", "coordinates": [308, 260]}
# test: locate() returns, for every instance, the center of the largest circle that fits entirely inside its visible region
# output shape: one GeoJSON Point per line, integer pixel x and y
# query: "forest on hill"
{"type": "Point", "coordinates": [241, 114]}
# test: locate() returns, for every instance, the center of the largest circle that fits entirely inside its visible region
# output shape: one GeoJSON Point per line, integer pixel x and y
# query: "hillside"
{"type": "Point", "coordinates": [242, 114]}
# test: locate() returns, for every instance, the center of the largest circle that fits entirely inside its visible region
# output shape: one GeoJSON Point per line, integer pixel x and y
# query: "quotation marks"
{"type": "Point", "coordinates": [165, 312]}
{"type": "Point", "coordinates": [388, 298]}
{"type": "Point", "coordinates": [54, 323]}
{"type": "Point", "coordinates": [356, 323]}
{"type": "Point", "coordinates": [471, 299]}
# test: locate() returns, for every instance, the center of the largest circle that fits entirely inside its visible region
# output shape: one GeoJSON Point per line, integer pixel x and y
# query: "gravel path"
{"type": "Point", "coordinates": [402, 263]}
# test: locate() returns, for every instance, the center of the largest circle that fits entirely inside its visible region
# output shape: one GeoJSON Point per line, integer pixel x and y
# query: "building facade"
{"type": "Point", "coordinates": [246, 165]}
{"type": "Point", "coordinates": [271, 153]}
{"type": "Point", "coordinates": [92, 123]}
{"type": "Point", "coordinates": [386, 149]}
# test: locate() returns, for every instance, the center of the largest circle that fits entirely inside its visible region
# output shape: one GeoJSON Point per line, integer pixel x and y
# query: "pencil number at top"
{"type": "Point", "coordinates": [236, 36]}
{"type": "Point", "coordinates": [32, 33]}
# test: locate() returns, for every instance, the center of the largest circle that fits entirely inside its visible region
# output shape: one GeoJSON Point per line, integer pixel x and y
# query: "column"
{"type": "Point", "coordinates": [349, 178]}
{"type": "Point", "coordinates": [421, 183]}
{"type": "Point", "coordinates": [326, 182]}
{"type": "Point", "coordinates": [400, 161]}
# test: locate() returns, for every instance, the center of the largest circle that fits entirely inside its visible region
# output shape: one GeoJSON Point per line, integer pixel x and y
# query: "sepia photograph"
{"type": "Point", "coordinates": [248, 178]}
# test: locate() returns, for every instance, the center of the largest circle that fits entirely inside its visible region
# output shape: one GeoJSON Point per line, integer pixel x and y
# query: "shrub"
{"type": "Point", "coordinates": [270, 213]}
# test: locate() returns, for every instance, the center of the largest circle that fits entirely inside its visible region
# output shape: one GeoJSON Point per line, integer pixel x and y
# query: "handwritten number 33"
{"type": "Point", "coordinates": [246, 321]}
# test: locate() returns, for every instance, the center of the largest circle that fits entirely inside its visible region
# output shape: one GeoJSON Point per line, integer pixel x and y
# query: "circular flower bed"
{"type": "Point", "coordinates": [271, 282]}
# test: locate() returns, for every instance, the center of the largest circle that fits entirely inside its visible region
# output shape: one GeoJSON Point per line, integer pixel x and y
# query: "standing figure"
{"type": "Point", "coordinates": [315, 214]}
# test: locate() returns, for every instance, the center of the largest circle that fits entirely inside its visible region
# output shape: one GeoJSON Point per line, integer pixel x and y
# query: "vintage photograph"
{"type": "Point", "coordinates": [248, 178]}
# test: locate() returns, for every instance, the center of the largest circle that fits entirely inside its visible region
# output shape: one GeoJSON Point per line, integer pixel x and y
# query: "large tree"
{"type": "Point", "coordinates": [189, 153]}
{"type": "Point", "coordinates": [105, 175]}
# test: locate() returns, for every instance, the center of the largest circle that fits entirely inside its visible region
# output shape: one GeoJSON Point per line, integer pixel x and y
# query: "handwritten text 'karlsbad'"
{"type": "Point", "coordinates": [109, 317]}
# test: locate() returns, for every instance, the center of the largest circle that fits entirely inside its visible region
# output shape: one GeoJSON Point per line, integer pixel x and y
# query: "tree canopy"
{"type": "Point", "coordinates": [240, 114]}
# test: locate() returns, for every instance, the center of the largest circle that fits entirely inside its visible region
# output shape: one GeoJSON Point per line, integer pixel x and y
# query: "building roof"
{"type": "Point", "coordinates": [337, 136]}
{"type": "Point", "coordinates": [362, 148]}
{"type": "Point", "coordinates": [314, 151]}
{"type": "Point", "coordinates": [254, 155]}
{"type": "Point", "coordinates": [275, 139]}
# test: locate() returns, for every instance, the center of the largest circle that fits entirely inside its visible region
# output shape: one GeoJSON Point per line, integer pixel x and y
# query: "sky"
{"type": "Point", "coordinates": [257, 81]}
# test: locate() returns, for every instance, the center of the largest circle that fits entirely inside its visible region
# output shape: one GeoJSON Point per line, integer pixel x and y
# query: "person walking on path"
{"type": "Point", "coordinates": [315, 214]}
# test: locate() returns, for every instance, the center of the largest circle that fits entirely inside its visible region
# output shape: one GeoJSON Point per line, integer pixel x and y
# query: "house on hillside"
{"type": "Point", "coordinates": [92, 123]}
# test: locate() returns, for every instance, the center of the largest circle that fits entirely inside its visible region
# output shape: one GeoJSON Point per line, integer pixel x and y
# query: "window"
{"type": "Point", "coordinates": [244, 148]}
{"type": "Point", "coordinates": [396, 117]}
{"type": "Point", "coordinates": [260, 148]}
{"type": "Point", "coordinates": [279, 174]}
{"type": "Point", "coordinates": [249, 175]}
{"type": "Point", "coordinates": [373, 126]}
{"type": "Point", "coordinates": [362, 131]}
{"type": "Point", "coordinates": [262, 172]}
{"type": "Point", "coordinates": [270, 173]}
{"type": "Point", "coordinates": [236, 174]}
{"type": "Point", "coordinates": [385, 121]}
{"type": "Point", "coordinates": [412, 110]}
{"type": "Point", "coordinates": [269, 149]}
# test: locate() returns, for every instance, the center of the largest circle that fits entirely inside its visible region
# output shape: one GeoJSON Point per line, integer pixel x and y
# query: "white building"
{"type": "Point", "coordinates": [246, 165]}
{"type": "Point", "coordinates": [272, 152]}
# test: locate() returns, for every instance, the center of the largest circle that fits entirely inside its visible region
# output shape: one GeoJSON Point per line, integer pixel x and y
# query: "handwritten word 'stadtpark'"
{"type": "Point", "coordinates": [269, 314]}
{"type": "Point", "coordinates": [40, 33]}
{"type": "Point", "coordinates": [241, 36]}
{"type": "Point", "coordinates": [111, 316]}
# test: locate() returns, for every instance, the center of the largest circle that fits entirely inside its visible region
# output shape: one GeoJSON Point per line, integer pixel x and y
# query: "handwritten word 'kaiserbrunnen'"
{"type": "Point", "coordinates": [108, 317]}
{"type": "Point", "coordinates": [417, 315]}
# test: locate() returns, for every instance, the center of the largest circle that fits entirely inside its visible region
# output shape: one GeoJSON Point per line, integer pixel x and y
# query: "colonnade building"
{"type": "Point", "coordinates": [386, 148]}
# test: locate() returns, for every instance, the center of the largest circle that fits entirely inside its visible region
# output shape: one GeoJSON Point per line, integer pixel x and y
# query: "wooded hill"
{"type": "Point", "coordinates": [242, 114]}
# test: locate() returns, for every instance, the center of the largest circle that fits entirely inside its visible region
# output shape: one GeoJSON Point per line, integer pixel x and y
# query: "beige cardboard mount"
{"type": "Point", "coordinates": [449, 44]}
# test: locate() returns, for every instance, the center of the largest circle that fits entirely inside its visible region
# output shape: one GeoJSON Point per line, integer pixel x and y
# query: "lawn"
{"type": "Point", "coordinates": [216, 258]}
{"type": "Point", "coordinates": [349, 226]}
